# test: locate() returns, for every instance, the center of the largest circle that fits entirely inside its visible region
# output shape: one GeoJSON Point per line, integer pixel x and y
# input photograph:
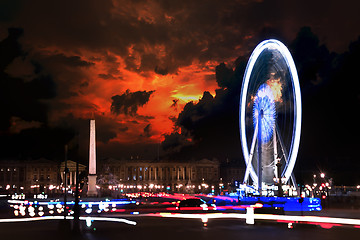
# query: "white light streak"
{"type": "Point", "coordinates": [119, 220]}
{"type": "Point", "coordinates": [270, 217]}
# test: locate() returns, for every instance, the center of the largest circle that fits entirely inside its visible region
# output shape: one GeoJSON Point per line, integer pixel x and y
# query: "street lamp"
{"type": "Point", "coordinates": [220, 186]}
{"type": "Point", "coordinates": [322, 175]}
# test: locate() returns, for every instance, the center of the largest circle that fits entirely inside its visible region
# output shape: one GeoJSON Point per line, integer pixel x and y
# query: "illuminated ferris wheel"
{"type": "Point", "coordinates": [270, 115]}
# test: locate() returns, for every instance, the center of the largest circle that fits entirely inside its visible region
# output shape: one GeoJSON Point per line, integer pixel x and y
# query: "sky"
{"type": "Point", "coordinates": [163, 78]}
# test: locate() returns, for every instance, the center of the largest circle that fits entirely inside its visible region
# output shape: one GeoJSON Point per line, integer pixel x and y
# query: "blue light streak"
{"type": "Point", "coordinates": [87, 203]}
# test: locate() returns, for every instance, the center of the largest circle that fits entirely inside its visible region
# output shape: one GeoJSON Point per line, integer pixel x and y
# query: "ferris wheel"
{"type": "Point", "coordinates": [270, 115]}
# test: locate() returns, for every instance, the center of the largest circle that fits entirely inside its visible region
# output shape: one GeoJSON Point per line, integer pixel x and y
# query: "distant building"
{"type": "Point", "coordinates": [35, 176]}
{"type": "Point", "coordinates": [12, 176]}
{"type": "Point", "coordinates": [71, 178]}
{"type": "Point", "coordinates": [169, 176]}
{"type": "Point", "coordinates": [232, 174]}
{"type": "Point", "coordinates": [41, 175]}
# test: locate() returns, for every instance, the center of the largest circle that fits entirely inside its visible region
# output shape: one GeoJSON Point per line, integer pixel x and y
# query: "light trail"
{"type": "Point", "coordinates": [119, 220]}
{"type": "Point", "coordinates": [269, 217]}
{"type": "Point", "coordinates": [26, 202]}
{"type": "Point", "coordinates": [202, 216]}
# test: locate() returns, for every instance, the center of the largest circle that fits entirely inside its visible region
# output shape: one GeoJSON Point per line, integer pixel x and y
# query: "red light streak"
{"type": "Point", "coordinates": [325, 225]}
{"type": "Point", "coordinates": [324, 222]}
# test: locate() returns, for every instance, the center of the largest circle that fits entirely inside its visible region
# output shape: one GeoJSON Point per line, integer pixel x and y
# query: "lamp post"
{"type": "Point", "coordinates": [66, 170]}
{"type": "Point", "coordinates": [64, 225]}
{"type": "Point", "coordinates": [280, 190]}
{"type": "Point", "coordinates": [76, 226]}
{"type": "Point", "coordinates": [220, 186]}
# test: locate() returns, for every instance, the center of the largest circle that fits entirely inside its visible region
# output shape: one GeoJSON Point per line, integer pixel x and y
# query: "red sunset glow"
{"type": "Point", "coordinates": [187, 84]}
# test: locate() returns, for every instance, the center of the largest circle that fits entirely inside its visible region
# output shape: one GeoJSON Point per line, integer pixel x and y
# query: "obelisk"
{"type": "Point", "coordinates": [92, 162]}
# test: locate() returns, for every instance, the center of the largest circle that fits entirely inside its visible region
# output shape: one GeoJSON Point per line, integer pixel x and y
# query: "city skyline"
{"type": "Point", "coordinates": [163, 79]}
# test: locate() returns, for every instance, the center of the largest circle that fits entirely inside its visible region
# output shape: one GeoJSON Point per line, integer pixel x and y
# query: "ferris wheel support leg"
{"type": "Point", "coordinates": [248, 164]}
{"type": "Point", "coordinates": [259, 157]}
{"type": "Point", "coordinates": [293, 180]}
{"type": "Point", "coordinates": [275, 154]}
{"type": "Point", "coordinates": [283, 149]}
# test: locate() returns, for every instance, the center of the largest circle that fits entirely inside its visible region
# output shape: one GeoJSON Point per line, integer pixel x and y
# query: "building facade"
{"type": "Point", "coordinates": [32, 176]}
{"type": "Point", "coordinates": [160, 175]}
{"type": "Point", "coordinates": [35, 176]}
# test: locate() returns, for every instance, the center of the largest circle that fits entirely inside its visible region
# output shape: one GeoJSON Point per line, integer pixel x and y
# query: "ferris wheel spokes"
{"type": "Point", "coordinates": [276, 137]}
{"type": "Point", "coordinates": [249, 162]}
{"type": "Point", "coordinates": [285, 154]}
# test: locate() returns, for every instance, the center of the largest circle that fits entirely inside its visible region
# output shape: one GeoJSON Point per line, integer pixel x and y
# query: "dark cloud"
{"type": "Point", "coordinates": [129, 102]}
{"type": "Point", "coordinates": [175, 103]}
{"type": "Point", "coordinates": [20, 98]}
{"type": "Point", "coordinates": [105, 76]}
{"type": "Point", "coordinates": [175, 142]}
{"type": "Point", "coordinates": [68, 73]}
{"type": "Point", "coordinates": [8, 9]}
{"type": "Point", "coordinates": [223, 76]}
{"type": "Point", "coordinates": [123, 129]}
{"type": "Point", "coordinates": [161, 36]}
{"type": "Point", "coordinates": [161, 70]}
{"type": "Point", "coordinates": [147, 130]}
{"type": "Point", "coordinates": [36, 143]}
{"type": "Point", "coordinates": [329, 84]}
{"type": "Point", "coordinates": [25, 100]}
{"type": "Point", "coordinates": [73, 61]}
{"type": "Point", "coordinates": [10, 47]}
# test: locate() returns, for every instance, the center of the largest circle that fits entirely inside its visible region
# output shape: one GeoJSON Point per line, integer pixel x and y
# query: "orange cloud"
{"type": "Point", "coordinates": [106, 78]}
{"type": "Point", "coordinates": [276, 88]}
